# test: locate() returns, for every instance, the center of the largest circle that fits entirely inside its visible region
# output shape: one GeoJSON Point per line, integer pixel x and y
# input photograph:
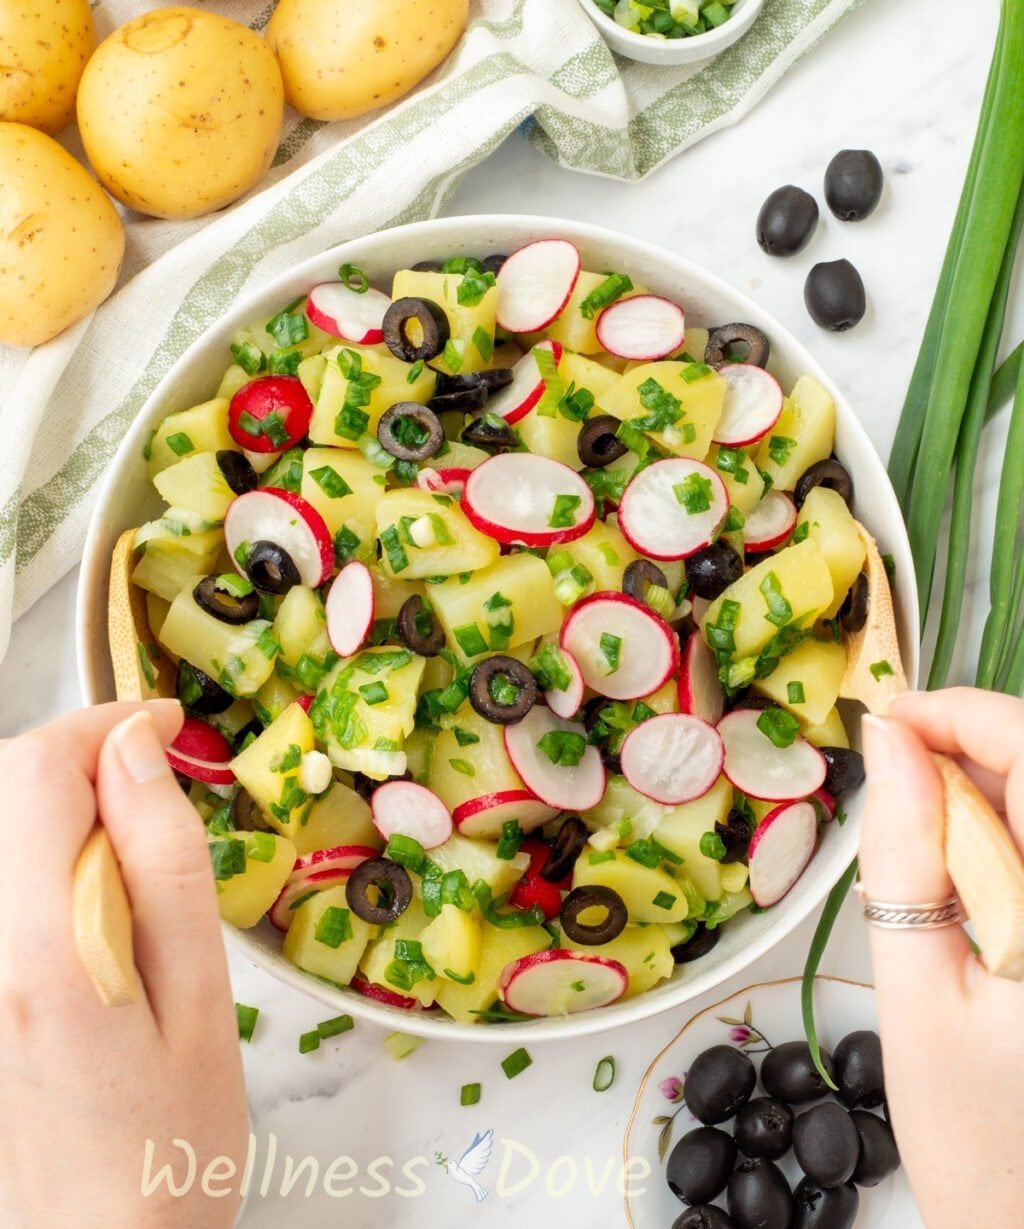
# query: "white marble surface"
{"type": "Point", "coordinates": [899, 77]}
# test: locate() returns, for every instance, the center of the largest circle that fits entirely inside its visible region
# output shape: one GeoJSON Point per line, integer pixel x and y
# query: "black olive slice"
{"type": "Point", "coordinates": [365, 786]}
{"type": "Point", "coordinates": [271, 569]}
{"type": "Point", "coordinates": [750, 699]}
{"type": "Point", "coordinates": [640, 574]}
{"type": "Point", "coordinates": [712, 570]}
{"type": "Point", "coordinates": [244, 811]}
{"type": "Point", "coordinates": [737, 341]}
{"type": "Point", "coordinates": [464, 399]}
{"type": "Point", "coordinates": [490, 432]}
{"type": "Point", "coordinates": [845, 769]}
{"type": "Point", "coordinates": [238, 472]}
{"type": "Point", "coordinates": [223, 605]}
{"type": "Point", "coordinates": [696, 946]}
{"type": "Point", "coordinates": [597, 443]}
{"type": "Point", "coordinates": [393, 891]}
{"type": "Point", "coordinates": [419, 629]}
{"type": "Point", "coordinates": [492, 380]}
{"type": "Point", "coordinates": [432, 326]}
{"type": "Point", "coordinates": [493, 263]}
{"type": "Point", "coordinates": [494, 676]}
{"type": "Point", "coordinates": [735, 835]}
{"type": "Point", "coordinates": [828, 473]}
{"type": "Point", "coordinates": [853, 613]}
{"type": "Point", "coordinates": [593, 896]}
{"type": "Point", "coordinates": [200, 693]}
{"type": "Point", "coordinates": [410, 431]}
{"type": "Point", "coordinates": [591, 716]}
{"type": "Point", "coordinates": [565, 849]}
{"type": "Point", "coordinates": [427, 266]}
{"type": "Point", "coordinates": [254, 727]}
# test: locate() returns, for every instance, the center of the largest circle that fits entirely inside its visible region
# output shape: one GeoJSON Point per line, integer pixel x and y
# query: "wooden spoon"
{"type": "Point", "coordinates": [982, 858]}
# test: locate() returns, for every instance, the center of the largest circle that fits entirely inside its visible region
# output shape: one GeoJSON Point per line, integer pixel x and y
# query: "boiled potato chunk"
{"type": "Point", "coordinates": [523, 581]}
{"type": "Point", "coordinates": [270, 770]}
{"type": "Point", "coordinates": [340, 485]}
{"type": "Point", "coordinates": [604, 552]}
{"type": "Point", "coordinates": [682, 828]}
{"type": "Point", "coordinates": [804, 434]}
{"type": "Point", "coordinates": [574, 330]}
{"type": "Point", "coordinates": [61, 240]}
{"type": "Point", "coordinates": [478, 860]}
{"type": "Point", "coordinates": [579, 372]}
{"type": "Point", "coordinates": [830, 523]}
{"type": "Point", "coordinates": [743, 482]}
{"type": "Point", "coordinates": [169, 565]}
{"type": "Point", "coordinates": [203, 428]}
{"type": "Point", "coordinates": [43, 50]}
{"type": "Point", "coordinates": [245, 896]}
{"type": "Point", "coordinates": [625, 811]}
{"type": "Point", "coordinates": [498, 949]}
{"type": "Point", "coordinates": [830, 733]}
{"type": "Point", "coordinates": [197, 484]}
{"type": "Point", "coordinates": [469, 760]}
{"type": "Point", "coordinates": [807, 681]}
{"type": "Point", "coordinates": [551, 435]}
{"type": "Point", "coordinates": [359, 384]}
{"type": "Point", "coordinates": [241, 658]}
{"type": "Point", "coordinates": [273, 698]}
{"type": "Point", "coordinates": [299, 622]}
{"type": "Point", "coordinates": [644, 951]}
{"type": "Point", "coordinates": [323, 913]}
{"type": "Point", "coordinates": [180, 112]}
{"type": "Point", "coordinates": [472, 322]}
{"type": "Point", "coordinates": [425, 535]}
{"type": "Point", "coordinates": [699, 396]}
{"type": "Point", "coordinates": [376, 961]}
{"type": "Point", "coordinates": [339, 817]}
{"type": "Point", "coordinates": [452, 943]}
{"type": "Point", "coordinates": [650, 894]}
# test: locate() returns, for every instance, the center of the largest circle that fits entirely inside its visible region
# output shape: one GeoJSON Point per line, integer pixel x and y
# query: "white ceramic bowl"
{"type": "Point", "coordinates": [127, 499]}
{"type": "Point", "coordinates": [675, 51]}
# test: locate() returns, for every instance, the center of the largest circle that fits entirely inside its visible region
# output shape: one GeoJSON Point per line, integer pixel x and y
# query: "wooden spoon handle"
{"type": "Point", "coordinates": [987, 871]}
{"type": "Point", "coordinates": [102, 921]}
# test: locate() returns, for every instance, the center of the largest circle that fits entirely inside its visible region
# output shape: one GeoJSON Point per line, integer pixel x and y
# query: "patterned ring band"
{"type": "Point", "coordinates": [931, 916]}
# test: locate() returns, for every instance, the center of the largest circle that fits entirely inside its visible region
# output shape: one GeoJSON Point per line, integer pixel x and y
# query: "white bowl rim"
{"type": "Point", "coordinates": [96, 560]}
{"type": "Point", "coordinates": [708, 40]}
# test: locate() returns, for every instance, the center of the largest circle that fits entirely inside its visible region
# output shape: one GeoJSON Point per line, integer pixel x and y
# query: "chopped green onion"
{"type": "Point", "coordinates": [778, 726]}
{"type": "Point", "coordinates": [400, 1045]}
{"type": "Point", "coordinates": [795, 693]}
{"type": "Point", "coordinates": [353, 278]}
{"type": "Point", "coordinates": [469, 1094]}
{"type": "Point", "coordinates": [309, 1042]}
{"type": "Point", "coordinates": [611, 650]}
{"type": "Point", "coordinates": [604, 1074]}
{"type": "Point", "coordinates": [335, 1027]}
{"type": "Point", "coordinates": [712, 846]}
{"type": "Point", "coordinates": [516, 1063]}
{"type": "Point", "coordinates": [563, 747]}
{"type": "Point", "coordinates": [246, 1017]}
{"type": "Point", "coordinates": [512, 836]}
{"type": "Point", "coordinates": [563, 515]}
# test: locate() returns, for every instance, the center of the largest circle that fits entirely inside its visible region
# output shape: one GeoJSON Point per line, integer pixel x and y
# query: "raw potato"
{"type": "Point", "coordinates": [61, 241]}
{"type": "Point", "coordinates": [44, 47]}
{"type": "Point", "coordinates": [180, 112]}
{"type": "Point", "coordinates": [342, 58]}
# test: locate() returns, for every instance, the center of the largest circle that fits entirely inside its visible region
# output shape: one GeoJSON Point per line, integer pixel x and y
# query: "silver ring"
{"type": "Point", "coordinates": [931, 916]}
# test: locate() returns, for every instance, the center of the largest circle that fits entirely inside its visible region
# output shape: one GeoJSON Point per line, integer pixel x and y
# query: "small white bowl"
{"type": "Point", "coordinates": [675, 51]}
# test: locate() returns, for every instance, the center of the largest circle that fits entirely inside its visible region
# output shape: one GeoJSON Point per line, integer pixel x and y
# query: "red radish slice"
{"type": "Point", "coordinates": [757, 767]}
{"type": "Point", "coordinates": [780, 849]}
{"type": "Point", "coordinates": [202, 753]}
{"type": "Point", "coordinates": [561, 982]}
{"type": "Point", "coordinates": [673, 758]}
{"type": "Point", "coordinates": [517, 399]}
{"type": "Point", "coordinates": [485, 815]}
{"type": "Point", "coordinates": [827, 804]}
{"type": "Point", "coordinates": [295, 891]}
{"type": "Point", "coordinates": [673, 508]}
{"type": "Point", "coordinates": [403, 808]}
{"type": "Point", "coordinates": [448, 481]}
{"type": "Point", "coordinates": [643, 328]}
{"type": "Point", "coordinates": [567, 703]}
{"type": "Point", "coordinates": [340, 858]}
{"type": "Point", "coordinates": [381, 994]}
{"type": "Point", "coordinates": [270, 414]}
{"type": "Point", "coordinates": [345, 313]}
{"type": "Point", "coordinates": [532, 889]}
{"type": "Point", "coordinates": [288, 521]}
{"type": "Point", "coordinates": [305, 703]}
{"type": "Point", "coordinates": [648, 649]}
{"type": "Point", "coordinates": [515, 496]}
{"type": "Point", "coordinates": [753, 404]}
{"type": "Point", "coordinates": [530, 744]}
{"type": "Point", "coordinates": [536, 283]}
{"type": "Point", "coordinates": [700, 690]}
{"type": "Point", "coordinates": [770, 523]}
{"type": "Point", "coordinates": [349, 608]}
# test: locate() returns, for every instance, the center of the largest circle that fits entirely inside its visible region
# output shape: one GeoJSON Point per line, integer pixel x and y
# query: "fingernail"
{"type": "Point", "coordinates": [139, 749]}
{"type": "Point", "coordinates": [878, 746]}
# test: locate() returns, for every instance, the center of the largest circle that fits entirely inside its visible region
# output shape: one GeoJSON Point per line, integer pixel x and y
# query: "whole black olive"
{"type": "Point", "coordinates": [787, 221]}
{"type": "Point", "coordinates": [490, 681]}
{"type": "Point", "coordinates": [565, 849]}
{"type": "Point", "coordinates": [858, 1064]}
{"type": "Point", "coordinates": [271, 569]}
{"type": "Point", "coordinates": [879, 1156]}
{"type": "Point", "coordinates": [431, 324]}
{"type": "Point", "coordinates": [391, 890]}
{"type": "Point", "coordinates": [759, 1196]}
{"type": "Point", "coordinates": [593, 896]}
{"type": "Point", "coordinates": [597, 443]}
{"type": "Point", "coordinates": [419, 628]}
{"type": "Point", "coordinates": [200, 693]}
{"type": "Point", "coordinates": [816, 1207]}
{"type": "Point", "coordinates": [410, 431]}
{"type": "Point", "coordinates": [735, 835]}
{"type": "Point", "coordinates": [719, 1081]}
{"type": "Point", "coordinates": [828, 473]}
{"type": "Point", "coordinates": [493, 263]}
{"type": "Point", "coordinates": [712, 570]}
{"type": "Point", "coordinates": [237, 471]}
{"type": "Point", "coordinates": [490, 432]}
{"type": "Point", "coordinates": [211, 595]}
{"type": "Point", "coordinates": [697, 945]}
{"type": "Point", "coordinates": [737, 341]}
{"type": "Point", "coordinates": [700, 1164]}
{"type": "Point", "coordinates": [834, 296]}
{"type": "Point", "coordinates": [764, 1127]}
{"type": "Point", "coordinates": [638, 575]}
{"type": "Point", "coordinates": [826, 1144]}
{"type": "Point", "coordinates": [853, 184]}
{"type": "Point", "coordinates": [853, 613]}
{"type": "Point", "coordinates": [845, 769]}
{"type": "Point", "coordinates": [788, 1073]}
{"type": "Point", "coordinates": [704, 1216]}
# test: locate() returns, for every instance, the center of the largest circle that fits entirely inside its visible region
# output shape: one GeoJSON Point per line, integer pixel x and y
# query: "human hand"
{"type": "Point", "coordinates": [950, 1031]}
{"type": "Point", "coordinates": [83, 1086]}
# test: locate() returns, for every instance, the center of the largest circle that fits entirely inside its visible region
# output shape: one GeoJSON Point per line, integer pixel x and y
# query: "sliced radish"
{"type": "Point", "coordinates": [561, 982]}
{"type": "Point", "coordinates": [753, 404]}
{"type": "Point", "coordinates": [673, 508]}
{"type": "Point", "coordinates": [826, 804]}
{"type": "Point", "coordinates": [381, 994]}
{"type": "Point", "coordinates": [339, 858]}
{"type": "Point", "coordinates": [757, 767]}
{"type": "Point", "coordinates": [606, 624]}
{"type": "Point", "coordinates": [531, 744]}
{"type": "Point", "coordinates": [305, 703]}
{"type": "Point", "coordinates": [448, 481]}
{"type": "Point", "coordinates": [349, 608]}
{"type": "Point", "coordinates": [517, 399]}
{"type": "Point", "coordinates": [700, 690]}
{"type": "Point", "coordinates": [270, 414]}
{"type": "Point", "coordinates": [347, 314]}
{"type": "Point", "coordinates": [515, 496]}
{"type": "Point", "coordinates": [403, 808]}
{"type": "Point", "coordinates": [536, 283]}
{"type": "Point", "coordinates": [782, 845]}
{"type": "Point", "coordinates": [532, 889]}
{"type": "Point", "coordinates": [672, 758]}
{"type": "Point", "coordinates": [202, 753]}
{"type": "Point", "coordinates": [567, 703]}
{"type": "Point", "coordinates": [289, 522]}
{"type": "Point", "coordinates": [484, 816]}
{"type": "Point", "coordinates": [770, 523]}
{"type": "Point", "coordinates": [643, 328]}
{"type": "Point", "coordinates": [295, 891]}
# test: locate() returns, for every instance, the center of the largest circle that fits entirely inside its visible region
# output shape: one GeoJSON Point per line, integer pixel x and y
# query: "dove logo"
{"type": "Point", "coordinates": [471, 1164]}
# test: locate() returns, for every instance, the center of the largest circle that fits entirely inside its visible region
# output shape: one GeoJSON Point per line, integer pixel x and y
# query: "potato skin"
{"type": "Point", "coordinates": [61, 239]}
{"type": "Point", "coordinates": [342, 58]}
{"type": "Point", "coordinates": [180, 112]}
{"type": "Point", "coordinates": [44, 46]}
